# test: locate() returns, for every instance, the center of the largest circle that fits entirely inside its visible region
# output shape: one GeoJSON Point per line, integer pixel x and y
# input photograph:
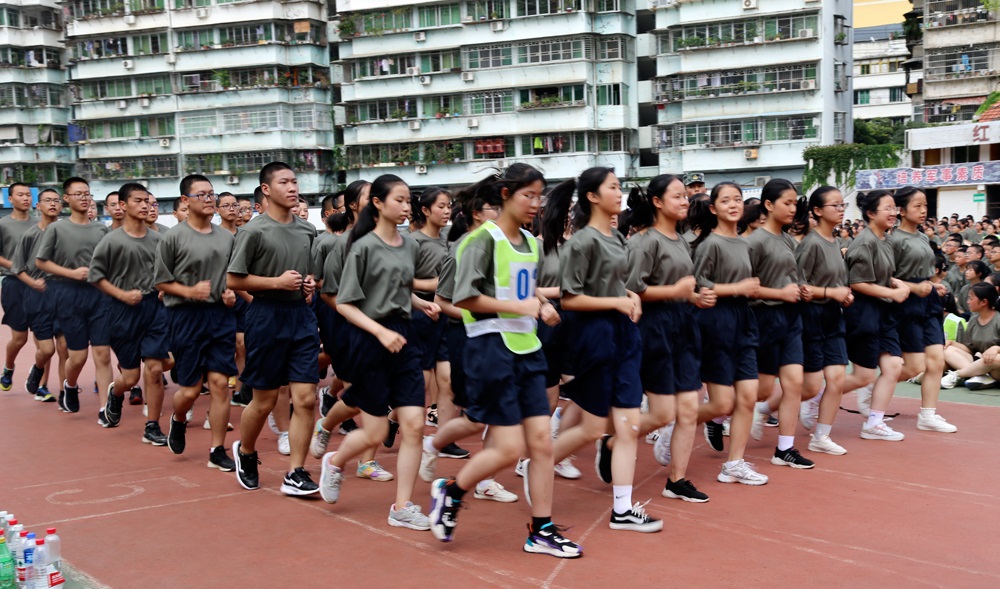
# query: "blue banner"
{"type": "Point", "coordinates": [930, 176]}
{"type": "Point", "coordinates": [6, 200]}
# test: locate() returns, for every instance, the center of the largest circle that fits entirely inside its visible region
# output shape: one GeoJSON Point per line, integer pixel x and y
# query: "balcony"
{"type": "Point", "coordinates": [694, 86]}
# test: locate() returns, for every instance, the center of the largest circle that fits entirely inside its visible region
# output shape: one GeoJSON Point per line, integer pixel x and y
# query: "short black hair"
{"type": "Point", "coordinates": [73, 180]}
{"type": "Point", "coordinates": [330, 200]}
{"type": "Point", "coordinates": [52, 190]}
{"type": "Point", "coordinates": [190, 179]}
{"type": "Point", "coordinates": [128, 188]}
{"type": "Point", "coordinates": [258, 196]}
{"type": "Point", "coordinates": [269, 170]}
{"type": "Point", "coordinates": [226, 193]}
{"type": "Point", "coordinates": [14, 185]}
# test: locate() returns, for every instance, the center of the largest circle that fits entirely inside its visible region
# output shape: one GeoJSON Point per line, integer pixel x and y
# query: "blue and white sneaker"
{"type": "Point", "coordinates": [549, 540]}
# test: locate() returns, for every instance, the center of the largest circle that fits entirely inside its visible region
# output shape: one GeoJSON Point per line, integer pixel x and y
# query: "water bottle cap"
{"type": "Point", "coordinates": [24, 534]}
{"type": "Point", "coordinates": [50, 531]}
{"type": "Point", "coordinates": [39, 542]}
{"type": "Point", "coordinates": [31, 535]}
{"type": "Point", "coordinates": [13, 522]}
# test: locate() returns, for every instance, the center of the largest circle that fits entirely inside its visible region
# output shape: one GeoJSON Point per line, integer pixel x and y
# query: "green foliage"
{"type": "Point", "coordinates": [842, 161]}
{"type": "Point", "coordinates": [882, 131]}
{"type": "Point", "coordinates": [990, 100]}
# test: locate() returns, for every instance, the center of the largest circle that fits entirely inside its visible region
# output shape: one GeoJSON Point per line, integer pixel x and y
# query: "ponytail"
{"type": "Point", "coordinates": [368, 217]}
{"type": "Point", "coordinates": [643, 211]}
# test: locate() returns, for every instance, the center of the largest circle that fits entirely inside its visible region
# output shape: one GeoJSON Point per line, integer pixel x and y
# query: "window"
{"type": "Point", "coordinates": [897, 94]}
{"type": "Point", "coordinates": [439, 16]}
{"type": "Point", "coordinates": [132, 168]}
{"type": "Point", "coordinates": [612, 94]}
{"type": "Point", "coordinates": [145, 5]}
{"type": "Point", "coordinates": [156, 126]}
{"type": "Point", "coordinates": [98, 48]}
{"type": "Point", "coordinates": [153, 85]}
{"type": "Point", "coordinates": [440, 62]}
{"type": "Point", "coordinates": [190, 40]}
{"type": "Point", "coordinates": [790, 129]}
{"type": "Point", "coordinates": [489, 56]}
{"type": "Point", "coordinates": [383, 66]}
{"type": "Point", "coordinates": [546, 51]}
{"type": "Point", "coordinates": [553, 96]}
{"type": "Point", "coordinates": [193, 125]}
{"type": "Point", "coordinates": [862, 97]}
{"type": "Point", "coordinates": [866, 69]}
{"type": "Point", "coordinates": [611, 48]}
{"type": "Point", "coordinates": [492, 148]}
{"type": "Point", "coordinates": [381, 110]}
{"type": "Point", "coordinates": [150, 44]}
{"type": "Point", "coordinates": [839, 76]}
{"type": "Point", "coordinates": [608, 5]}
{"type": "Point", "coordinates": [245, 35]}
{"type": "Point", "coordinates": [958, 62]}
{"type": "Point", "coordinates": [110, 88]}
{"type": "Point", "coordinates": [442, 104]}
{"type": "Point", "coordinates": [537, 7]}
{"type": "Point", "coordinates": [964, 154]}
{"type": "Point", "coordinates": [611, 141]}
{"type": "Point", "coordinates": [10, 17]}
{"type": "Point", "coordinates": [487, 103]}
{"type": "Point", "coordinates": [553, 143]}
{"type": "Point", "coordinates": [839, 127]}
{"type": "Point", "coordinates": [376, 23]}
{"type": "Point", "coordinates": [486, 9]}
{"type": "Point", "coordinates": [251, 120]}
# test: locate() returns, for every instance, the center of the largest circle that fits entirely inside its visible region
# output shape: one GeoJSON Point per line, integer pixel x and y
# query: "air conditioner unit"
{"type": "Point", "coordinates": [760, 181]}
{"type": "Point", "coordinates": [171, 58]}
{"type": "Point", "coordinates": [201, 13]}
{"type": "Point", "coordinates": [420, 36]}
{"type": "Point", "coordinates": [468, 76]}
{"type": "Point", "coordinates": [144, 102]}
{"type": "Point", "coordinates": [473, 122]}
{"type": "Point", "coordinates": [412, 71]}
{"type": "Point", "coordinates": [750, 154]}
{"type": "Point", "coordinates": [164, 143]}
{"type": "Point", "coordinates": [806, 33]}
{"type": "Point", "coordinates": [232, 180]}
{"type": "Point", "coordinates": [808, 84]}
{"type": "Point", "coordinates": [502, 164]}
{"type": "Point", "coordinates": [129, 19]}
{"type": "Point", "coordinates": [128, 64]}
{"type": "Point", "coordinates": [420, 169]}
{"type": "Point", "coordinates": [749, 4]}
{"type": "Point", "coordinates": [414, 125]}
{"type": "Point", "coordinates": [497, 26]}
{"type": "Point", "coordinates": [122, 104]}
{"type": "Point", "coordinates": [425, 80]}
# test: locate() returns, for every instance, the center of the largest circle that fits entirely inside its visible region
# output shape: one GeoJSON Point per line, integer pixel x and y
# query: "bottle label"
{"type": "Point", "coordinates": [7, 570]}
{"type": "Point", "coordinates": [55, 578]}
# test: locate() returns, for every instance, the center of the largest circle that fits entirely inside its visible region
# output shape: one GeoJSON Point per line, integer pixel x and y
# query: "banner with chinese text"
{"type": "Point", "coordinates": [929, 177]}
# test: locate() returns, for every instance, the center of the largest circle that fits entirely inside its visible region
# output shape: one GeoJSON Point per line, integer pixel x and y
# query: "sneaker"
{"type": "Point", "coordinates": [771, 421]}
{"type": "Point", "coordinates": [602, 461]}
{"type": "Point", "coordinates": [950, 380]}
{"type": "Point", "coordinates": [246, 468]}
{"type": "Point", "coordinates": [374, 471]}
{"type": "Point", "coordinates": [683, 489]}
{"type": "Point", "coordinates": [70, 399]}
{"type": "Point", "coordinates": [220, 460]}
{"type": "Point", "coordinates": [741, 472]}
{"type": "Point", "coordinates": [652, 436]}
{"type": "Point", "coordinates": [635, 520]}
{"type": "Point", "coordinates": [208, 424]}
{"type": "Point", "coordinates": [865, 400]}
{"type": "Point", "coordinates": [113, 406]}
{"type": "Point", "coordinates": [918, 379]}
{"type": "Point", "coordinates": [330, 479]}
{"type": "Point", "coordinates": [154, 435]}
{"type": "Point", "coordinates": [713, 435]}
{"type": "Point", "coordinates": [432, 416]}
{"type": "Point", "coordinates": [176, 439]}
{"type": "Point", "coordinates": [978, 383]}
{"type": "Point", "coordinates": [271, 423]}
{"type": "Point", "coordinates": [567, 470]}
{"type": "Point", "coordinates": [935, 423]}
{"type": "Point", "coordinates": [102, 419]}
{"type": "Point", "coordinates": [521, 467]}
{"type": "Point", "coordinates": [881, 431]}
{"type": "Point", "coordinates": [550, 541]}
{"type": "Point", "coordinates": [241, 398]}
{"type": "Point", "coordinates": [34, 377]}
{"type": "Point", "coordinates": [320, 440]}
{"type": "Point", "coordinates": [326, 401]}
{"type": "Point", "coordinates": [409, 517]}
{"type": "Point", "coordinates": [524, 475]}
{"type": "Point", "coordinates": [757, 427]}
{"type": "Point", "coordinates": [350, 425]}
{"type": "Point", "coordinates": [661, 449]}
{"type": "Point", "coordinates": [284, 447]}
{"type": "Point", "coordinates": [390, 438]}
{"type": "Point", "coordinates": [494, 491]}
{"type": "Point", "coordinates": [135, 396]}
{"type": "Point", "coordinates": [555, 422]}
{"type": "Point", "coordinates": [452, 450]}
{"type": "Point", "coordinates": [725, 427]}
{"type": "Point", "coordinates": [808, 414]}
{"type": "Point", "coordinates": [444, 511]}
{"type": "Point", "coordinates": [825, 445]}
{"type": "Point", "coordinates": [7, 379]}
{"type": "Point", "coordinates": [791, 457]}
{"type": "Point", "coordinates": [428, 463]}
{"type": "Point", "coordinates": [298, 483]}
{"type": "Point", "coordinates": [189, 416]}
{"type": "Point", "coordinates": [43, 395]}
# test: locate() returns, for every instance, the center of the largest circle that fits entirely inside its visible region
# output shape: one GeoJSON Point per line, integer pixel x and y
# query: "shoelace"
{"type": "Point", "coordinates": [639, 509]}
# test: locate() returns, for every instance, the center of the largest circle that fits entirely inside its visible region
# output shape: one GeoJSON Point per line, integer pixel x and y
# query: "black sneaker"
{"type": "Point", "coordinates": [246, 468]}
{"type": "Point", "coordinates": [102, 419]}
{"type": "Point", "coordinates": [635, 520]}
{"type": "Point", "coordinates": [326, 401]}
{"type": "Point", "coordinates": [683, 489]}
{"type": "Point", "coordinates": [176, 439]}
{"type": "Point", "coordinates": [70, 399]}
{"type": "Point", "coordinates": [298, 483]}
{"type": "Point", "coordinates": [713, 435]}
{"type": "Point", "coordinates": [34, 377]}
{"type": "Point", "coordinates": [602, 460]}
{"type": "Point", "coordinates": [220, 460]}
{"type": "Point", "coordinates": [772, 421]}
{"type": "Point", "coordinates": [154, 435]}
{"type": "Point", "coordinates": [390, 438]}
{"type": "Point", "coordinates": [242, 397]}
{"type": "Point", "coordinates": [350, 425]}
{"type": "Point", "coordinates": [453, 450]}
{"type": "Point", "coordinates": [7, 379]}
{"type": "Point", "coordinates": [791, 457]}
{"type": "Point", "coordinates": [432, 416]}
{"type": "Point", "coordinates": [43, 395]}
{"type": "Point", "coordinates": [549, 540]}
{"type": "Point", "coordinates": [113, 407]}
{"type": "Point", "coordinates": [135, 396]}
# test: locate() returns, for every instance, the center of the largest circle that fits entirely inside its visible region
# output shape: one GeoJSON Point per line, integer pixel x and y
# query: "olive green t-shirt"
{"type": "Point", "coordinates": [821, 263]}
{"type": "Point", "coordinates": [773, 260]}
{"type": "Point", "coordinates": [127, 262]}
{"type": "Point", "coordinates": [378, 277]}
{"type": "Point", "coordinates": [978, 337]}
{"type": "Point", "coordinates": [188, 257]}
{"type": "Point", "coordinates": [11, 231]}
{"type": "Point", "coordinates": [26, 252]}
{"type": "Point", "coordinates": [333, 264]}
{"type": "Point", "coordinates": [722, 260]}
{"type": "Point", "coordinates": [548, 265]}
{"type": "Point", "coordinates": [971, 235]}
{"type": "Point", "coordinates": [320, 249]}
{"type": "Point", "coordinates": [594, 264]}
{"type": "Point", "coordinates": [870, 259]}
{"type": "Point", "coordinates": [955, 278]}
{"type": "Point", "coordinates": [70, 245]}
{"type": "Point", "coordinates": [656, 260]}
{"type": "Point", "coordinates": [475, 273]}
{"type": "Point", "coordinates": [266, 247]}
{"type": "Point", "coordinates": [913, 255]}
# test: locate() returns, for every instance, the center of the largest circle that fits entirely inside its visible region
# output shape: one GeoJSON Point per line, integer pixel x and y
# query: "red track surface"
{"type": "Point", "coordinates": [921, 513]}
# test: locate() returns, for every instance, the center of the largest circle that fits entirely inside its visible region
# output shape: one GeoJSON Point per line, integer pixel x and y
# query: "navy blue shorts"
{"type": "Point", "coordinates": [871, 331]}
{"type": "Point", "coordinates": [553, 347]}
{"type": "Point", "coordinates": [606, 352]}
{"type": "Point", "coordinates": [456, 338]}
{"type": "Point", "coordinates": [82, 312]}
{"type": "Point", "coordinates": [282, 343]}
{"type": "Point", "coordinates": [240, 310]}
{"type": "Point", "coordinates": [919, 322]}
{"type": "Point", "coordinates": [324, 322]}
{"type": "Point", "coordinates": [729, 339]}
{"type": "Point", "coordinates": [504, 388]}
{"type": "Point", "coordinates": [780, 337]}
{"type": "Point", "coordinates": [13, 294]}
{"type": "Point", "coordinates": [202, 339]}
{"type": "Point", "coordinates": [138, 331]}
{"type": "Point", "coordinates": [381, 379]}
{"type": "Point", "coordinates": [671, 349]}
{"type": "Point", "coordinates": [431, 339]}
{"type": "Point", "coordinates": [334, 338]}
{"type": "Point", "coordinates": [41, 314]}
{"type": "Point", "coordinates": [823, 336]}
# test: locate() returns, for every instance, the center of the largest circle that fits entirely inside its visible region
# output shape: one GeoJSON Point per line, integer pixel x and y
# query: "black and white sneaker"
{"type": "Point", "coordinates": [683, 489]}
{"type": "Point", "coordinates": [713, 435]}
{"type": "Point", "coordinates": [390, 438]}
{"type": "Point", "coordinates": [70, 399]}
{"type": "Point", "coordinates": [102, 419]}
{"type": "Point", "coordinates": [453, 450]}
{"type": "Point", "coordinates": [135, 396]}
{"type": "Point", "coordinates": [154, 435]}
{"type": "Point", "coordinates": [326, 401]}
{"type": "Point", "coordinates": [350, 425]}
{"type": "Point", "coordinates": [220, 460]}
{"type": "Point", "coordinates": [246, 468]}
{"type": "Point", "coordinates": [602, 460]}
{"type": "Point", "coordinates": [176, 436]}
{"type": "Point", "coordinates": [635, 520]}
{"type": "Point", "coordinates": [444, 511]}
{"type": "Point", "coordinates": [549, 540]}
{"type": "Point", "coordinates": [791, 457]}
{"type": "Point", "coordinates": [34, 378]}
{"type": "Point", "coordinates": [113, 407]}
{"type": "Point", "coordinates": [298, 483]}
{"type": "Point", "coordinates": [242, 397]}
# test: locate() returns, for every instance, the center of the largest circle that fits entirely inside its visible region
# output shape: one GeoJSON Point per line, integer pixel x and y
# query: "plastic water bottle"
{"type": "Point", "coordinates": [54, 544]}
{"type": "Point", "coordinates": [11, 524]}
{"type": "Point", "coordinates": [43, 565]}
{"type": "Point", "coordinates": [3, 524]}
{"type": "Point", "coordinates": [18, 551]}
{"type": "Point", "coordinates": [26, 572]}
{"type": "Point", "coordinates": [8, 573]}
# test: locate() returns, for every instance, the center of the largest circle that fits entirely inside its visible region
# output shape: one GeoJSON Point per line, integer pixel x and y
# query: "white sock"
{"type": "Point", "coordinates": [732, 463]}
{"type": "Point", "coordinates": [720, 420]}
{"type": "Point", "coordinates": [822, 430]}
{"type": "Point", "coordinates": [429, 445]}
{"type": "Point", "coordinates": [927, 411]}
{"type": "Point", "coordinates": [785, 442]}
{"type": "Point", "coordinates": [623, 498]}
{"type": "Point", "coordinates": [875, 418]}
{"type": "Point", "coordinates": [763, 408]}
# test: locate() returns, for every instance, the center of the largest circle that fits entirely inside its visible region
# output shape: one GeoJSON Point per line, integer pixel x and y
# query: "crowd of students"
{"type": "Point", "coordinates": [683, 308]}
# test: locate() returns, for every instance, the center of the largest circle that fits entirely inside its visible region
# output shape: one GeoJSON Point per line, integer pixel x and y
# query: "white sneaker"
{"type": "Point", "coordinates": [881, 431]}
{"type": "Point", "coordinates": [519, 469]}
{"type": "Point", "coordinates": [428, 464]}
{"type": "Point", "coordinates": [189, 416]}
{"type": "Point", "coordinates": [825, 445]}
{"type": "Point", "coordinates": [950, 379]}
{"type": "Point", "coordinates": [984, 381]}
{"type": "Point", "coordinates": [741, 472]}
{"type": "Point", "coordinates": [808, 414]}
{"type": "Point", "coordinates": [661, 449]}
{"type": "Point", "coordinates": [935, 423]}
{"type": "Point", "coordinates": [864, 400]}
{"type": "Point", "coordinates": [409, 517]}
{"type": "Point", "coordinates": [494, 491]}
{"type": "Point", "coordinates": [918, 379]}
{"type": "Point", "coordinates": [566, 470]}
{"type": "Point", "coordinates": [320, 440]}
{"type": "Point", "coordinates": [284, 448]}
{"type": "Point", "coordinates": [555, 421]}
{"type": "Point", "coordinates": [271, 423]}
{"type": "Point", "coordinates": [145, 410]}
{"type": "Point", "coordinates": [757, 428]}
{"type": "Point", "coordinates": [652, 436]}
{"type": "Point", "coordinates": [725, 427]}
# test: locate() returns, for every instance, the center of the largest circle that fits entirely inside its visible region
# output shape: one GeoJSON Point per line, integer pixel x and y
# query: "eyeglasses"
{"type": "Point", "coordinates": [533, 198]}
{"type": "Point", "coordinates": [80, 195]}
{"type": "Point", "coordinates": [205, 196]}
{"type": "Point", "coordinates": [893, 210]}
{"type": "Point", "coordinates": [48, 201]}
{"type": "Point", "coordinates": [229, 207]}
{"type": "Point", "coordinates": [491, 208]}
{"type": "Point", "coordinates": [838, 205]}
{"type": "Point", "coordinates": [154, 205]}
{"type": "Point", "coordinates": [245, 209]}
